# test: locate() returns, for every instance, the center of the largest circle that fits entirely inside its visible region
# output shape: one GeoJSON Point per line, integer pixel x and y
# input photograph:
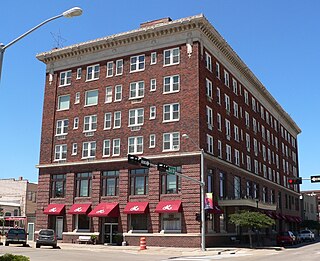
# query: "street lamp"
{"type": "Point", "coordinates": [75, 11]}
{"type": "Point", "coordinates": [202, 186]}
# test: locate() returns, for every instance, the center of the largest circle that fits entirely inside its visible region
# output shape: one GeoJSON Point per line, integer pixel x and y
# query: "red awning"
{"type": "Point", "coordinates": [15, 218]}
{"type": "Point", "coordinates": [54, 209]}
{"type": "Point", "coordinates": [281, 217]}
{"type": "Point", "coordinates": [79, 209]}
{"type": "Point", "coordinates": [299, 219]}
{"type": "Point", "coordinates": [216, 210]}
{"type": "Point", "coordinates": [168, 206]}
{"type": "Point", "coordinates": [136, 208]}
{"type": "Point", "coordinates": [290, 218]}
{"type": "Point", "coordinates": [105, 209]}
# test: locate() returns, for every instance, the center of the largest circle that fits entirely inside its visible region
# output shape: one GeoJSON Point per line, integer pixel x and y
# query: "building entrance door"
{"type": "Point", "coordinates": [30, 231]}
{"type": "Point", "coordinates": [110, 232]}
{"type": "Point", "coordinates": [59, 227]}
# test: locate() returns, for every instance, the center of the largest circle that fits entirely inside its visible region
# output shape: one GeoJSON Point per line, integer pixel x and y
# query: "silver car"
{"type": "Point", "coordinates": [307, 235]}
{"type": "Point", "coordinates": [47, 237]}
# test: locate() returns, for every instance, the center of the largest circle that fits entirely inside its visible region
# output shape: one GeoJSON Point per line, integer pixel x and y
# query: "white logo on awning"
{"type": "Point", "coordinates": [135, 208]}
{"type": "Point", "coordinates": [53, 209]}
{"type": "Point", "coordinates": [79, 209]}
{"type": "Point", "coordinates": [101, 211]}
{"type": "Point", "coordinates": [167, 207]}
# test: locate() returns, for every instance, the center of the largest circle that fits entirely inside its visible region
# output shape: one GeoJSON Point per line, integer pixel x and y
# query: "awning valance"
{"type": "Point", "coordinates": [79, 209]}
{"type": "Point", "coordinates": [136, 208]}
{"type": "Point", "coordinates": [54, 209]}
{"type": "Point", "coordinates": [168, 206]}
{"type": "Point", "coordinates": [105, 209]}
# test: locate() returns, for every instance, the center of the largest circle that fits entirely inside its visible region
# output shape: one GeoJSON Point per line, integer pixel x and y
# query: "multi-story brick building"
{"type": "Point", "coordinates": [143, 92]}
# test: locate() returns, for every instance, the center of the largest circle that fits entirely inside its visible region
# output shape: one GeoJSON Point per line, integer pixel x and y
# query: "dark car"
{"type": "Point", "coordinates": [286, 238]}
{"type": "Point", "coordinates": [16, 236]}
{"type": "Point", "coordinates": [47, 237]}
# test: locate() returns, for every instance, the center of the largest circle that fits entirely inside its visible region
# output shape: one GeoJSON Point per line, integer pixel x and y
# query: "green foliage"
{"type": "Point", "coordinates": [251, 219]}
{"type": "Point", "coordinates": [10, 257]}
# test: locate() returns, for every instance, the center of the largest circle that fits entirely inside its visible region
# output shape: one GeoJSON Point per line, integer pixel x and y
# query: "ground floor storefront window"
{"type": "Point", "coordinates": [171, 222]}
{"type": "Point", "coordinates": [82, 222]}
{"type": "Point", "coordinates": [138, 222]}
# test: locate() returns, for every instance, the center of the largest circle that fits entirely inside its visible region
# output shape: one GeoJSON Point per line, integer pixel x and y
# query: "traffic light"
{"type": "Point", "coordinates": [162, 167]}
{"type": "Point", "coordinates": [295, 180]}
{"type": "Point", "coordinates": [132, 159]}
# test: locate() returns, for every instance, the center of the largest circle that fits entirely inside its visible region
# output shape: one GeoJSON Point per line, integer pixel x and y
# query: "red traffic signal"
{"type": "Point", "coordinates": [295, 180]}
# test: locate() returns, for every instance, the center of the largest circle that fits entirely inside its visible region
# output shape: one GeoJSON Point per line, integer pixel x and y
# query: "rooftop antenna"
{"type": "Point", "coordinates": [58, 40]}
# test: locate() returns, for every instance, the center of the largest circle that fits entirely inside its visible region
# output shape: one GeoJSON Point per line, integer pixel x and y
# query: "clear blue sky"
{"type": "Point", "coordinates": [278, 40]}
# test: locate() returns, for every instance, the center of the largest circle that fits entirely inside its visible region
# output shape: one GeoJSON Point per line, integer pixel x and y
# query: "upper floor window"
{"type": "Point", "coordinates": [106, 148]}
{"type": "Point", "coordinates": [79, 73]}
{"type": "Point", "coordinates": [63, 102]}
{"type": "Point", "coordinates": [60, 152]}
{"type": "Point", "coordinates": [152, 112]}
{"type": "Point", "coordinates": [137, 63]}
{"type": "Point", "coordinates": [171, 141]}
{"type": "Point", "coordinates": [65, 78]}
{"type": "Point", "coordinates": [153, 85]}
{"type": "Point", "coordinates": [119, 67]}
{"type": "Point", "coordinates": [136, 117]}
{"type": "Point", "coordinates": [93, 72]}
{"type": "Point", "coordinates": [218, 70]}
{"type": "Point", "coordinates": [110, 69]}
{"type": "Point", "coordinates": [110, 183]}
{"type": "Point", "coordinates": [118, 93]}
{"type": "Point", "coordinates": [171, 112]}
{"type": "Point", "coordinates": [171, 56]}
{"type": "Point", "coordinates": [117, 120]}
{"type": "Point", "coordinates": [208, 61]}
{"type": "Point", "coordinates": [58, 185]}
{"type": "Point", "coordinates": [77, 98]}
{"type": "Point", "coordinates": [116, 147]}
{"type": "Point", "coordinates": [171, 84]}
{"type": "Point", "coordinates": [226, 78]}
{"type": "Point", "coordinates": [83, 184]}
{"type": "Point", "coordinates": [235, 86]}
{"type": "Point", "coordinates": [108, 98]}
{"type": "Point", "coordinates": [139, 181]}
{"type": "Point", "coordinates": [209, 117]}
{"type": "Point", "coordinates": [91, 97]}
{"type": "Point", "coordinates": [170, 184]}
{"type": "Point", "coordinates": [90, 123]}
{"type": "Point", "coordinates": [89, 149]}
{"type": "Point", "coordinates": [246, 97]}
{"type": "Point", "coordinates": [218, 96]}
{"type": "Point", "coordinates": [136, 90]}
{"type": "Point", "coordinates": [209, 88]}
{"type": "Point", "coordinates": [62, 127]}
{"type": "Point", "coordinates": [209, 144]}
{"type": "Point", "coordinates": [135, 145]}
{"type": "Point", "coordinates": [153, 59]}
{"type": "Point", "coordinates": [152, 141]}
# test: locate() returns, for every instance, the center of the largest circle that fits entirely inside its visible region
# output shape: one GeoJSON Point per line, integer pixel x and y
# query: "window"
{"type": "Point", "coordinates": [139, 181]}
{"type": "Point", "coordinates": [58, 185]}
{"type": "Point", "coordinates": [77, 98]}
{"type": "Point", "coordinates": [74, 149]}
{"type": "Point", "coordinates": [106, 148]}
{"type": "Point", "coordinates": [79, 73]}
{"type": "Point", "coordinates": [110, 69]}
{"type": "Point", "coordinates": [246, 97]}
{"type": "Point", "coordinates": [119, 67]}
{"type": "Point", "coordinates": [62, 127]}
{"type": "Point", "coordinates": [116, 147]}
{"type": "Point", "coordinates": [171, 112]}
{"type": "Point", "coordinates": [248, 163]}
{"type": "Point", "coordinates": [82, 222]}
{"type": "Point", "coordinates": [65, 78]}
{"type": "Point", "coordinates": [255, 147]}
{"type": "Point", "coordinates": [219, 122]}
{"type": "Point", "coordinates": [83, 184]}
{"type": "Point", "coordinates": [219, 149]}
{"type": "Point", "coordinates": [117, 120]}
{"type": "Point", "coordinates": [137, 63]}
{"type": "Point", "coordinates": [227, 103]}
{"type": "Point", "coordinates": [209, 117]}
{"type": "Point", "coordinates": [171, 141]}
{"type": "Point", "coordinates": [152, 141]}
{"type": "Point", "coordinates": [60, 152]}
{"type": "Point", "coordinates": [93, 72]}
{"type": "Point", "coordinates": [110, 183]}
{"type": "Point", "coordinates": [108, 98]}
{"type": "Point", "coordinates": [118, 93]}
{"type": "Point", "coordinates": [253, 102]}
{"type": "Point", "coordinates": [226, 78]}
{"type": "Point", "coordinates": [218, 96]}
{"type": "Point", "coordinates": [254, 125]}
{"type": "Point", "coordinates": [171, 84]}
{"type": "Point", "coordinates": [107, 120]}
{"type": "Point", "coordinates": [237, 187]}
{"type": "Point", "coordinates": [153, 59]}
{"type": "Point", "coordinates": [153, 85]}
{"type": "Point", "coordinates": [228, 129]}
{"type": "Point", "coordinates": [138, 222]}
{"type": "Point", "coordinates": [171, 56]}
{"type": "Point", "coordinates": [90, 123]}
{"type": "Point", "coordinates": [208, 60]}
{"type": "Point", "coordinates": [170, 184]}
{"type": "Point", "coordinates": [248, 142]}
{"type": "Point", "coordinates": [209, 144]}
{"type": "Point", "coordinates": [209, 88]}
{"type": "Point", "coordinates": [91, 98]}
{"type": "Point", "coordinates": [171, 222]}
{"type": "Point", "coordinates": [235, 86]}
{"type": "Point", "coordinates": [136, 90]}
{"type": "Point", "coordinates": [247, 119]}
{"type": "Point", "coordinates": [63, 102]}
{"type": "Point", "coordinates": [136, 117]}
{"type": "Point", "coordinates": [222, 185]}
{"type": "Point", "coordinates": [228, 153]}
{"type": "Point", "coordinates": [152, 112]}
{"type": "Point", "coordinates": [89, 149]}
{"type": "Point", "coordinates": [236, 157]}
{"type": "Point", "coordinates": [236, 133]}
{"type": "Point", "coordinates": [218, 70]}
{"type": "Point", "coordinates": [135, 145]}
{"type": "Point", "coordinates": [256, 167]}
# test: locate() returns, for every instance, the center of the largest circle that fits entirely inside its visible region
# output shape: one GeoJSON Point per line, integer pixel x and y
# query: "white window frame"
{"type": "Point", "coordinates": [235, 86]}
{"type": "Point", "coordinates": [136, 90]}
{"type": "Point", "coordinates": [153, 85]}
{"type": "Point", "coordinates": [218, 70]}
{"type": "Point", "coordinates": [74, 149]}
{"type": "Point", "coordinates": [152, 141]}
{"type": "Point", "coordinates": [219, 149]}
{"type": "Point", "coordinates": [106, 148]}
{"type": "Point", "coordinates": [153, 58]}
{"type": "Point", "coordinates": [136, 117]}
{"type": "Point", "coordinates": [246, 97]}
{"type": "Point", "coordinates": [79, 73]}
{"type": "Point", "coordinates": [118, 93]}
{"type": "Point", "coordinates": [117, 120]}
{"type": "Point", "coordinates": [227, 103]}
{"type": "Point", "coordinates": [107, 121]}
{"type": "Point", "coordinates": [65, 78]}
{"type": "Point", "coordinates": [86, 98]}
{"type": "Point", "coordinates": [208, 60]}
{"type": "Point", "coordinates": [170, 109]}
{"type": "Point", "coordinates": [226, 78]}
{"type": "Point", "coordinates": [63, 128]}
{"type": "Point", "coordinates": [236, 133]}
{"type": "Point", "coordinates": [93, 72]}
{"type": "Point", "coordinates": [61, 151]}
{"type": "Point", "coordinates": [90, 123]}
{"type": "Point", "coordinates": [248, 163]}
{"type": "Point", "coordinates": [169, 58]}
{"type": "Point", "coordinates": [140, 61]}
{"type": "Point", "coordinates": [67, 102]}
{"type": "Point", "coordinates": [108, 97]}
{"type": "Point", "coordinates": [116, 147]}
{"type": "Point", "coordinates": [89, 148]}
{"type": "Point", "coordinates": [210, 144]}
{"type": "Point", "coordinates": [209, 88]}
{"type": "Point", "coordinates": [228, 153]}
{"type": "Point", "coordinates": [76, 123]}
{"type": "Point", "coordinates": [110, 66]}
{"type": "Point", "coordinates": [218, 96]}
{"type": "Point", "coordinates": [235, 109]}
{"type": "Point", "coordinates": [219, 122]}
{"type": "Point", "coordinates": [173, 85]}
{"type": "Point", "coordinates": [236, 157]}
{"type": "Point", "coordinates": [228, 129]}
{"type": "Point", "coordinates": [135, 145]}
{"type": "Point", "coordinates": [119, 67]}
{"type": "Point", "coordinates": [173, 139]}
{"type": "Point", "coordinates": [153, 112]}
{"type": "Point", "coordinates": [77, 98]}
{"type": "Point", "coordinates": [209, 114]}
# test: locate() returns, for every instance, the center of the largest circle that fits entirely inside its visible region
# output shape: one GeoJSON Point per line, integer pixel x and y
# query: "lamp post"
{"type": "Point", "coordinates": [202, 187]}
{"type": "Point", "coordinates": [75, 11]}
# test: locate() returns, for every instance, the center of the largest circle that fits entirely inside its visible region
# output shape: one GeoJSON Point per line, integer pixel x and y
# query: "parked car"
{"type": "Point", "coordinates": [286, 238]}
{"type": "Point", "coordinates": [47, 237]}
{"type": "Point", "coordinates": [306, 235]}
{"type": "Point", "coordinates": [16, 236]}
{"type": "Point", "coordinates": [298, 238]}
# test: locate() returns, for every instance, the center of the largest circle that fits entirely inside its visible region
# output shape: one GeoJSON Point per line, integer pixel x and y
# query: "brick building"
{"type": "Point", "coordinates": [143, 92]}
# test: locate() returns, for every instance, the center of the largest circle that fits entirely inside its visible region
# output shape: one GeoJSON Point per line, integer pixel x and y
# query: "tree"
{"type": "Point", "coordinates": [251, 220]}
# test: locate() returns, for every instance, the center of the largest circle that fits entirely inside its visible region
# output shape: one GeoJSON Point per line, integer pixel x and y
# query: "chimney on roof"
{"type": "Point", "coordinates": [154, 22]}
{"type": "Point", "coordinates": [20, 178]}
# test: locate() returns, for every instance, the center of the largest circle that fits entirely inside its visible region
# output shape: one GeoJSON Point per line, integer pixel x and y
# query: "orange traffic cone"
{"type": "Point", "coordinates": [143, 244]}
